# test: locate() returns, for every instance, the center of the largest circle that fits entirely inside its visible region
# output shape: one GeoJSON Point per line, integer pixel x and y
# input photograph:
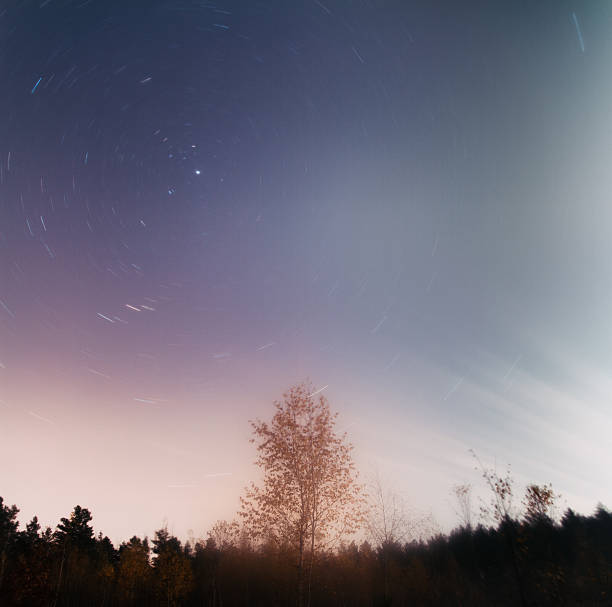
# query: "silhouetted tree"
{"type": "Point", "coordinates": [539, 504]}
{"type": "Point", "coordinates": [76, 530]}
{"type": "Point", "coordinates": [8, 531]}
{"type": "Point", "coordinates": [463, 498]}
{"type": "Point", "coordinates": [173, 575]}
{"type": "Point", "coordinates": [74, 541]}
{"type": "Point", "coordinates": [501, 511]}
{"type": "Point", "coordinates": [134, 574]}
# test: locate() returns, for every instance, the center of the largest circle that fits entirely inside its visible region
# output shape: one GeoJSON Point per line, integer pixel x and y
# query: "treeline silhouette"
{"type": "Point", "coordinates": [532, 561]}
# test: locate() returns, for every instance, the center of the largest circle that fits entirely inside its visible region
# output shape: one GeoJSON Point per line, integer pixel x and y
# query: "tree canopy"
{"type": "Point", "coordinates": [309, 495]}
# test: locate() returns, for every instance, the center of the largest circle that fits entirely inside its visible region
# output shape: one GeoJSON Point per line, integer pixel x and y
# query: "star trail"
{"type": "Point", "coordinates": [202, 204]}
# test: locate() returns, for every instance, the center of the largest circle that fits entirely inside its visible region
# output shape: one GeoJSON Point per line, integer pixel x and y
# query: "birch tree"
{"type": "Point", "coordinates": [309, 495]}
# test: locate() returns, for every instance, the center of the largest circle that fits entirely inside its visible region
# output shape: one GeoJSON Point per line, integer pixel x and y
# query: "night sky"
{"type": "Point", "coordinates": [202, 204]}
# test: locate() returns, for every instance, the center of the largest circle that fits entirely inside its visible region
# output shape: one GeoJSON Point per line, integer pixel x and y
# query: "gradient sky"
{"type": "Point", "coordinates": [203, 203]}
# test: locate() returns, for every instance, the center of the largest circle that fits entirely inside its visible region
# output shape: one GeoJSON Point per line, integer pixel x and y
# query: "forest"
{"type": "Point", "coordinates": [294, 541]}
{"type": "Point", "coordinates": [569, 563]}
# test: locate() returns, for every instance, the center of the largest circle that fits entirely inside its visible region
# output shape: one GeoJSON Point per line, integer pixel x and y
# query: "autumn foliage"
{"type": "Point", "coordinates": [292, 543]}
{"type": "Point", "coordinates": [309, 496]}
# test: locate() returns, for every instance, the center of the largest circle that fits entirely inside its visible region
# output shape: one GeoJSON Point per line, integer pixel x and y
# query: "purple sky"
{"type": "Point", "coordinates": [203, 204]}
